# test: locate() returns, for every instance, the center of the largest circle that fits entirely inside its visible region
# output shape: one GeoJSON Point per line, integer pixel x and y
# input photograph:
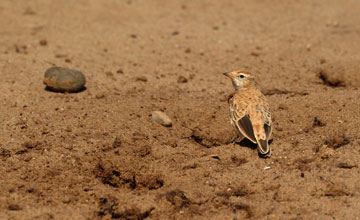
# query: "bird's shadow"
{"type": "Point", "coordinates": [48, 89]}
{"type": "Point", "coordinates": [247, 143]}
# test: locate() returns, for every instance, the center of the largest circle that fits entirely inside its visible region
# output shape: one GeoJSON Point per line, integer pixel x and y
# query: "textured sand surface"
{"type": "Point", "coordinates": [97, 154]}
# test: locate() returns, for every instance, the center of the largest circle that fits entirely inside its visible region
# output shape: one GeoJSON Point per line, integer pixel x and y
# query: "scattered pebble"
{"type": "Point", "coordinates": [267, 168]}
{"type": "Point", "coordinates": [161, 118]}
{"type": "Point", "coordinates": [59, 79]}
{"type": "Point", "coordinates": [182, 79]}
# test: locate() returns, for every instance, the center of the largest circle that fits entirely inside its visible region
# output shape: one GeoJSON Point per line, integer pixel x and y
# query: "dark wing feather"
{"type": "Point", "coordinates": [246, 128]}
{"type": "Point", "coordinates": [264, 148]}
{"type": "Point", "coordinates": [268, 130]}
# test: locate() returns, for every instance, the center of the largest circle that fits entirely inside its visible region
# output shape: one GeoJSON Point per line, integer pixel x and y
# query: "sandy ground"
{"type": "Point", "coordinates": [98, 155]}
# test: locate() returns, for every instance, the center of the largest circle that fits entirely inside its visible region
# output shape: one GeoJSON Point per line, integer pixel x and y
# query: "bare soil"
{"type": "Point", "coordinates": [97, 154]}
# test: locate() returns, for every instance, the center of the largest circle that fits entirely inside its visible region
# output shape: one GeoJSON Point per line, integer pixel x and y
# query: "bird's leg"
{"type": "Point", "coordinates": [233, 139]}
{"type": "Point", "coordinates": [236, 138]}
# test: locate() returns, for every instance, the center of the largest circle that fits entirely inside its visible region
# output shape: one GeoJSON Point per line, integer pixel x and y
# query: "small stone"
{"type": "Point", "coordinates": [161, 118]}
{"type": "Point", "coordinates": [182, 79]}
{"type": "Point", "coordinates": [59, 79]}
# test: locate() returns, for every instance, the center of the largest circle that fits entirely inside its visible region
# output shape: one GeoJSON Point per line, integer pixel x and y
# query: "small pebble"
{"type": "Point", "coordinates": [161, 118]}
{"type": "Point", "coordinates": [60, 79]}
{"type": "Point", "coordinates": [267, 168]}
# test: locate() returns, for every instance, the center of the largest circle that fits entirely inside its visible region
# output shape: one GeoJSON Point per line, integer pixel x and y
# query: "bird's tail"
{"type": "Point", "coordinates": [264, 148]}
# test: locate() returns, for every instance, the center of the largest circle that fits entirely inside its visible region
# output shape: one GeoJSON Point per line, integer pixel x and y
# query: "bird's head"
{"type": "Point", "coordinates": [241, 79]}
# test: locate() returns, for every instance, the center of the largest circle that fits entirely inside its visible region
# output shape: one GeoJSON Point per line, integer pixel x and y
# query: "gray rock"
{"type": "Point", "coordinates": [161, 118]}
{"type": "Point", "coordinates": [61, 79]}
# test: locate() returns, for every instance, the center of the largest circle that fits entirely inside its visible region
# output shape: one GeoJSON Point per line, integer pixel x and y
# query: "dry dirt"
{"type": "Point", "coordinates": [98, 155]}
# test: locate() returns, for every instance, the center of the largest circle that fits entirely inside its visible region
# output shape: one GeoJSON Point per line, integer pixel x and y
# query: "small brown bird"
{"type": "Point", "coordinates": [249, 111]}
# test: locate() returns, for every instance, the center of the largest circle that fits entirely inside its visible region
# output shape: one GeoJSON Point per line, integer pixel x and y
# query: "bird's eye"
{"type": "Point", "coordinates": [241, 76]}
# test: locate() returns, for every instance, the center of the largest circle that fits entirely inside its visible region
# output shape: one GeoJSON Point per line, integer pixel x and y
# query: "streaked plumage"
{"type": "Point", "coordinates": [249, 111]}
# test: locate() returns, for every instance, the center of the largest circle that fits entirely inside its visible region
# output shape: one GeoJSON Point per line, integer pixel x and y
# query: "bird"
{"type": "Point", "coordinates": [249, 111]}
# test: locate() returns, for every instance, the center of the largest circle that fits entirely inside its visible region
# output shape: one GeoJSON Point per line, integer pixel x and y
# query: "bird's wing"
{"type": "Point", "coordinates": [262, 125]}
{"type": "Point", "coordinates": [242, 122]}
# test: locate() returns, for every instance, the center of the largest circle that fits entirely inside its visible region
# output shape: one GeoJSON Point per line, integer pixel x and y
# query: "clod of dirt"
{"type": "Point", "coordinates": [141, 79]}
{"type": "Point", "coordinates": [270, 92]}
{"type": "Point", "coordinates": [245, 208]}
{"type": "Point", "coordinates": [339, 73]}
{"type": "Point", "coordinates": [100, 96]}
{"type": "Point", "coordinates": [110, 206]}
{"type": "Point", "coordinates": [117, 176]}
{"type": "Point", "coordinates": [240, 191]}
{"type": "Point", "coordinates": [59, 79]}
{"type": "Point", "coordinates": [175, 33]}
{"type": "Point", "coordinates": [14, 207]}
{"type": "Point", "coordinates": [205, 134]}
{"type": "Point", "coordinates": [303, 163]}
{"type": "Point", "coordinates": [238, 161]}
{"type": "Point", "coordinates": [337, 141]}
{"type": "Point", "coordinates": [144, 151]}
{"type": "Point", "coordinates": [335, 190]}
{"type": "Point", "coordinates": [178, 199]}
{"type": "Point", "coordinates": [318, 123]}
{"type": "Point", "coordinates": [117, 142]}
{"type": "Point", "coordinates": [109, 74]}
{"type": "Point", "coordinates": [346, 165]}
{"type": "Point", "coordinates": [330, 79]}
{"type": "Point", "coordinates": [182, 79]}
{"type": "Point", "coordinates": [283, 107]}
{"type": "Point", "coordinates": [5, 153]}
{"type": "Point", "coordinates": [199, 138]}
{"type": "Point", "coordinates": [161, 118]}
{"type": "Point", "coordinates": [43, 42]}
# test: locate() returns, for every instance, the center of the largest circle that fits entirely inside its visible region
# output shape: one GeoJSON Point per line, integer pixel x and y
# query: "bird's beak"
{"type": "Point", "coordinates": [228, 74]}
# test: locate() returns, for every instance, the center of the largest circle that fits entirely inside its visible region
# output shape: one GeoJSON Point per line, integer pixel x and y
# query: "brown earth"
{"type": "Point", "coordinates": [98, 155]}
